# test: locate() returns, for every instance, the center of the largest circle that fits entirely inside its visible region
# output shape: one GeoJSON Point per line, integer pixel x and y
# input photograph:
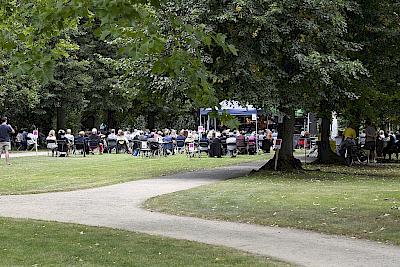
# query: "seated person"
{"type": "Point", "coordinates": [94, 141]}
{"type": "Point", "coordinates": [240, 140]}
{"type": "Point", "coordinates": [128, 136]}
{"type": "Point", "coordinates": [81, 137]}
{"type": "Point", "coordinates": [251, 144]}
{"type": "Point", "coordinates": [397, 136]}
{"type": "Point", "coordinates": [142, 136]}
{"type": "Point", "coordinates": [112, 135]}
{"type": "Point", "coordinates": [189, 139]}
{"type": "Point", "coordinates": [267, 142]}
{"type": "Point", "coordinates": [347, 143]}
{"type": "Point", "coordinates": [153, 143]}
{"type": "Point", "coordinates": [111, 141]}
{"type": "Point", "coordinates": [168, 143]}
{"type": "Point", "coordinates": [390, 147]}
{"type": "Point", "coordinates": [204, 139]}
{"type": "Point", "coordinates": [31, 140]}
{"type": "Point", "coordinates": [19, 140]}
{"type": "Point", "coordinates": [69, 136]}
{"type": "Point", "coordinates": [80, 142]}
{"type": "Point", "coordinates": [152, 138]}
{"type": "Point", "coordinates": [215, 147]}
{"type": "Point", "coordinates": [251, 139]}
{"type": "Point", "coordinates": [381, 142]}
{"type": "Point", "coordinates": [181, 137]}
{"type": "Point", "coordinates": [223, 138]}
{"type": "Point", "coordinates": [122, 141]}
{"type": "Point", "coordinates": [180, 141]}
{"type": "Point", "coordinates": [231, 146]}
{"type": "Point", "coordinates": [231, 140]}
{"type": "Point", "coordinates": [51, 140]}
{"type": "Point", "coordinates": [136, 145]}
{"type": "Point", "coordinates": [62, 143]}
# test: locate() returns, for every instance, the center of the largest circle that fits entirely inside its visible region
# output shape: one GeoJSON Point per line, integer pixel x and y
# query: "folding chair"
{"type": "Point", "coordinates": [180, 146]}
{"type": "Point", "coordinates": [111, 145]}
{"type": "Point", "coordinates": [121, 145]}
{"type": "Point", "coordinates": [203, 147]}
{"type": "Point", "coordinates": [51, 147]}
{"type": "Point", "coordinates": [62, 148]}
{"type": "Point", "coordinates": [93, 145]}
{"type": "Point", "coordinates": [144, 149]}
{"type": "Point", "coordinates": [190, 149]}
{"type": "Point", "coordinates": [79, 146]}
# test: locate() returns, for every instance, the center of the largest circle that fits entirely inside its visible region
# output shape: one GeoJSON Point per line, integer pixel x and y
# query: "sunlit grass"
{"type": "Point", "coordinates": [360, 202]}
{"type": "Point", "coordinates": [36, 243]}
{"type": "Point", "coordinates": [44, 174]}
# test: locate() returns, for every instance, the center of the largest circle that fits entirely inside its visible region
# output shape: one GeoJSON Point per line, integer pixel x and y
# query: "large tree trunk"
{"type": "Point", "coordinates": [286, 160]}
{"type": "Point", "coordinates": [60, 117]}
{"type": "Point", "coordinates": [325, 153]}
{"type": "Point", "coordinates": [110, 120]}
{"type": "Point", "coordinates": [151, 120]}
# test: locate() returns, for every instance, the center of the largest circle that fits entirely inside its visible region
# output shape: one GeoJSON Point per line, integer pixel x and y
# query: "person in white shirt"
{"type": "Point", "coordinates": [122, 141]}
{"type": "Point", "coordinates": [31, 140]}
{"type": "Point", "coordinates": [70, 137]}
{"type": "Point", "coordinates": [112, 135]}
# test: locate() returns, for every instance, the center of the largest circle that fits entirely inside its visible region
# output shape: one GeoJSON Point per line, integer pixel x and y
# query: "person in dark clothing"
{"type": "Point", "coordinates": [180, 142]}
{"type": "Point", "coordinates": [5, 141]}
{"type": "Point", "coordinates": [215, 148]}
{"type": "Point", "coordinates": [95, 142]}
{"type": "Point", "coordinates": [62, 144]}
{"type": "Point", "coordinates": [81, 142]}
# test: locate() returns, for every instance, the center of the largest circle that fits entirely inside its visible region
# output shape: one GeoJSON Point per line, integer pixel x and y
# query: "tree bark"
{"type": "Point", "coordinates": [286, 160]}
{"type": "Point", "coordinates": [151, 120]}
{"type": "Point", "coordinates": [325, 153]}
{"type": "Point", "coordinates": [110, 120]}
{"type": "Point", "coordinates": [61, 117]}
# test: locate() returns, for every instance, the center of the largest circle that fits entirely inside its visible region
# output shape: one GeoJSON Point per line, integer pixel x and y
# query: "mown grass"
{"type": "Point", "coordinates": [37, 243]}
{"type": "Point", "coordinates": [359, 202]}
{"type": "Point", "coordinates": [45, 174]}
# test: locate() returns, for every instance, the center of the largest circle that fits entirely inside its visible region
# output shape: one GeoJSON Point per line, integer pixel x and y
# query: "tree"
{"type": "Point", "coordinates": [291, 54]}
{"type": "Point", "coordinates": [38, 38]}
{"type": "Point", "coordinates": [377, 29]}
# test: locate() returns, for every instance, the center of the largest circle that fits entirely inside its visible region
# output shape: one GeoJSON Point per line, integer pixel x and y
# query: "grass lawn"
{"type": "Point", "coordinates": [360, 202]}
{"type": "Point", "coordinates": [44, 174]}
{"type": "Point", "coordinates": [37, 243]}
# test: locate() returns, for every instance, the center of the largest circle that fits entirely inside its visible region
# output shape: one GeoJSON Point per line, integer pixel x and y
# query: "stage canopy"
{"type": "Point", "coordinates": [233, 108]}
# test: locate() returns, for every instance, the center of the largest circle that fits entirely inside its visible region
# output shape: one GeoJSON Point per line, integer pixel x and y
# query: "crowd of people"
{"type": "Point", "coordinates": [159, 142]}
{"type": "Point", "coordinates": [377, 143]}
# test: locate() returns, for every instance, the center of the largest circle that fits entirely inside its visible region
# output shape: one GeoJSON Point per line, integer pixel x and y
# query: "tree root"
{"type": "Point", "coordinates": [287, 165]}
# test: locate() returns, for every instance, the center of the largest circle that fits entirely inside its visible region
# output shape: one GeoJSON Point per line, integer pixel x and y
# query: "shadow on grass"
{"type": "Point", "coordinates": [336, 173]}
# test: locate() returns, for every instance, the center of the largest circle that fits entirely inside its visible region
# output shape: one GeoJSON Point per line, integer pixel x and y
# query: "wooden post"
{"type": "Point", "coordinates": [276, 159]}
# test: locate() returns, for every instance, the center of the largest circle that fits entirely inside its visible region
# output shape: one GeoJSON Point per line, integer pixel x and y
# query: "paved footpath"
{"type": "Point", "coordinates": [118, 206]}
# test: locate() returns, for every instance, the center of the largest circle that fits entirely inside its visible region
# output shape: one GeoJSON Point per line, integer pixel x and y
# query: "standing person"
{"type": "Point", "coordinates": [349, 136]}
{"type": "Point", "coordinates": [5, 144]}
{"type": "Point", "coordinates": [370, 141]}
{"type": "Point", "coordinates": [349, 133]}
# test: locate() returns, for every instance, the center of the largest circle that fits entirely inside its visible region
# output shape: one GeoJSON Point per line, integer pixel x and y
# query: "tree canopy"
{"type": "Point", "coordinates": [115, 60]}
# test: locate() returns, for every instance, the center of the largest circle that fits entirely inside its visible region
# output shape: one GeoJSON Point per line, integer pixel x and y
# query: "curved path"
{"type": "Point", "coordinates": [117, 206]}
